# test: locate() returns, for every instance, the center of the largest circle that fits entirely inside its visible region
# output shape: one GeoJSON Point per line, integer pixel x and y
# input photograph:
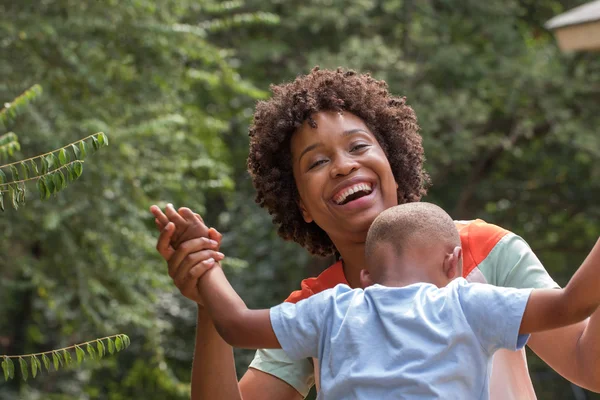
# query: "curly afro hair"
{"type": "Point", "coordinates": [393, 123]}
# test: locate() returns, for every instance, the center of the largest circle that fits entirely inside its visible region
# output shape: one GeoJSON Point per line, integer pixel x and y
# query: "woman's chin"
{"type": "Point", "coordinates": [361, 222]}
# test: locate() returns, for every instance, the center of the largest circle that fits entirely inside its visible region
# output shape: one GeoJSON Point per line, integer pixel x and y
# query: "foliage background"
{"type": "Point", "coordinates": [509, 126]}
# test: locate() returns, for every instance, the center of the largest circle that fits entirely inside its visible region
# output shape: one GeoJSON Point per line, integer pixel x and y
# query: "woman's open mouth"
{"type": "Point", "coordinates": [357, 195]}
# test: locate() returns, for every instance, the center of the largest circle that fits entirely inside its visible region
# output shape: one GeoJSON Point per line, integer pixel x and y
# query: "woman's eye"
{"type": "Point", "coordinates": [316, 164]}
{"type": "Point", "coordinates": [358, 147]}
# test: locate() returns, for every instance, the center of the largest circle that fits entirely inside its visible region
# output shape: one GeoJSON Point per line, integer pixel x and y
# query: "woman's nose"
{"type": "Point", "coordinates": [343, 165]}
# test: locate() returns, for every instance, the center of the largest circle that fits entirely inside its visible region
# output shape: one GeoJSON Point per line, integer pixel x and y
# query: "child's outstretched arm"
{"type": "Point", "coordinates": [555, 308]}
{"type": "Point", "coordinates": [237, 325]}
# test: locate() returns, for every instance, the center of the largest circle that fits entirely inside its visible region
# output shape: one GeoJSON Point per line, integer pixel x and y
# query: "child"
{"type": "Point", "coordinates": [415, 330]}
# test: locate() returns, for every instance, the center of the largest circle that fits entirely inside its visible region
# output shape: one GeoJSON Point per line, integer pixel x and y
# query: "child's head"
{"type": "Point", "coordinates": [413, 242]}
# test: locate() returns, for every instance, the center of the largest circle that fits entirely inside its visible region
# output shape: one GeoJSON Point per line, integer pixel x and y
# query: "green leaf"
{"type": "Point", "coordinates": [49, 161]}
{"type": "Point", "coordinates": [11, 368]}
{"type": "Point", "coordinates": [25, 170]}
{"type": "Point", "coordinates": [101, 349]}
{"type": "Point", "coordinates": [80, 354]}
{"type": "Point", "coordinates": [49, 181]}
{"type": "Point", "coordinates": [14, 172]}
{"type": "Point", "coordinates": [44, 164]}
{"type": "Point", "coordinates": [21, 194]}
{"type": "Point", "coordinates": [91, 351]}
{"type": "Point", "coordinates": [23, 365]}
{"type": "Point", "coordinates": [75, 151]}
{"type": "Point", "coordinates": [78, 169]}
{"type": "Point", "coordinates": [67, 357]}
{"type": "Point", "coordinates": [63, 158]}
{"type": "Point", "coordinates": [4, 365]}
{"type": "Point", "coordinates": [103, 139]}
{"type": "Point", "coordinates": [2, 201]}
{"type": "Point", "coordinates": [34, 365]}
{"type": "Point", "coordinates": [82, 150]}
{"type": "Point", "coordinates": [126, 341]}
{"type": "Point", "coordinates": [55, 360]}
{"type": "Point", "coordinates": [57, 181]}
{"type": "Point", "coordinates": [34, 167]}
{"type": "Point", "coordinates": [13, 195]}
{"type": "Point", "coordinates": [41, 186]}
{"type": "Point", "coordinates": [2, 177]}
{"type": "Point", "coordinates": [54, 160]}
{"type": "Point", "coordinates": [63, 180]}
{"type": "Point", "coordinates": [71, 173]}
{"type": "Point", "coordinates": [95, 143]}
{"type": "Point", "coordinates": [111, 346]}
{"type": "Point", "coordinates": [46, 361]}
{"type": "Point", "coordinates": [60, 359]}
{"type": "Point", "coordinates": [119, 343]}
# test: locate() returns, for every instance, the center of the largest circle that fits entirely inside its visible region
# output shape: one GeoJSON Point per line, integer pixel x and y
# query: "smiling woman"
{"type": "Point", "coordinates": [343, 158]}
{"type": "Point", "coordinates": [328, 153]}
{"type": "Point", "coordinates": [350, 103]}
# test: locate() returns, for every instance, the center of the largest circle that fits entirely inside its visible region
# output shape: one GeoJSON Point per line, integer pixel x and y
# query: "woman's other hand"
{"type": "Point", "coordinates": [190, 260]}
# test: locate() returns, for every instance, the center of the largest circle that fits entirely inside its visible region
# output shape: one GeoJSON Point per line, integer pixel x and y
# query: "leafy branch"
{"type": "Point", "coordinates": [9, 143]}
{"type": "Point", "coordinates": [96, 349]}
{"type": "Point", "coordinates": [52, 171]}
{"type": "Point", "coordinates": [12, 110]}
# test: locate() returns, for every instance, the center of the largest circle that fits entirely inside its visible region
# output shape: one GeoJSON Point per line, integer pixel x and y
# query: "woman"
{"type": "Point", "coordinates": [328, 153]}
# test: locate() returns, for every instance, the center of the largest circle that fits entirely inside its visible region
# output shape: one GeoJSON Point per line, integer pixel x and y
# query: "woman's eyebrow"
{"type": "Point", "coordinates": [356, 130]}
{"type": "Point", "coordinates": [309, 148]}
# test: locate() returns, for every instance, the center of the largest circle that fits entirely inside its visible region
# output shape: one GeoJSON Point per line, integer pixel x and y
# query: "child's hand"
{"type": "Point", "coordinates": [188, 225]}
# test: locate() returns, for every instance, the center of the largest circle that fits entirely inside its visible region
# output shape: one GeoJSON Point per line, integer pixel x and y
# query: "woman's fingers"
{"type": "Point", "coordinates": [198, 262]}
{"type": "Point", "coordinates": [163, 245]}
{"type": "Point", "coordinates": [194, 251]}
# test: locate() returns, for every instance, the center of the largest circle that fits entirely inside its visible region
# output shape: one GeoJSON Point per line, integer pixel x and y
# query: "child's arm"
{"type": "Point", "coordinates": [237, 325]}
{"type": "Point", "coordinates": [555, 308]}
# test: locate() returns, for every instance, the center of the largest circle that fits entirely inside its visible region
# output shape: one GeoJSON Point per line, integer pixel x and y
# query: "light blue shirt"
{"type": "Point", "coordinates": [415, 342]}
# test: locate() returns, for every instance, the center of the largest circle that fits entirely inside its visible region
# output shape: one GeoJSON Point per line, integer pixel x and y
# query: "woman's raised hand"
{"type": "Point", "coordinates": [188, 246]}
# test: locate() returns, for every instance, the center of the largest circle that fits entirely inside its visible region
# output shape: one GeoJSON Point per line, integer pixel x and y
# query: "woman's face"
{"type": "Point", "coordinates": [343, 176]}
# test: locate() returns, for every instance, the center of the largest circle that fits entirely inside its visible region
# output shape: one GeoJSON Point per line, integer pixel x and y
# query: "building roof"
{"type": "Point", "coordinates": [585, 13]}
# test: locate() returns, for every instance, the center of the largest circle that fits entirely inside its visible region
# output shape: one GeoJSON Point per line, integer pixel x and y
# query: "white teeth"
{"type": "Point", "coordinates": [352, 189]}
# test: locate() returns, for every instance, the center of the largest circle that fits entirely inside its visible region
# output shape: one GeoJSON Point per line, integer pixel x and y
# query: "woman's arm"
{"type": "Point", "coordinates": [572, 351]}
{"type": "Point", "coordinates": [213, 368]}
{"type": "Point", "coordinates": [554, 308]}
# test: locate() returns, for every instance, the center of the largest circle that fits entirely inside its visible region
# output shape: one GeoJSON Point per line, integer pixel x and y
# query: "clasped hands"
{"type": "Point", "coordinates": [188, 245]}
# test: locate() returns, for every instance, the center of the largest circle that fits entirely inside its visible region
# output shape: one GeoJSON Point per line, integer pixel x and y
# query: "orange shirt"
{"type": "Point", "coordinates": [485, 236]}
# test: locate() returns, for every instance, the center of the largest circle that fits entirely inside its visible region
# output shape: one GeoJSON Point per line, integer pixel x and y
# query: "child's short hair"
{"type": "Point", "coordinates": [409, 223]}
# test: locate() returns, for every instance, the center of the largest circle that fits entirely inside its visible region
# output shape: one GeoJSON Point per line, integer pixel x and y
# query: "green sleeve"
{"type": "Point", "coordinates": [298, 374]}
{"type": "Point", "coordinates": [512, 263]}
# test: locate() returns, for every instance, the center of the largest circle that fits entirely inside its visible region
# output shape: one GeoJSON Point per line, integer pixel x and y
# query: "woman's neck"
{"type": "Point", "coordinates": [353, 260]}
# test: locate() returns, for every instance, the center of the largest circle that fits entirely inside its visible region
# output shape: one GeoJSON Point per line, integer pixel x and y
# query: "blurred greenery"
{"type": "Point", "coordinates": [509, 126]}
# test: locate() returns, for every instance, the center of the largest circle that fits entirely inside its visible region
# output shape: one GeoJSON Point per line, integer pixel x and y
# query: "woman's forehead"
{"type": "Point", "coordinates": [329, 124]}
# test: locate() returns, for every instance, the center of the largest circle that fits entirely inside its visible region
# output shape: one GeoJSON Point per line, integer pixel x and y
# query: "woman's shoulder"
{"type": "Point", "coordinates": [327, 279]}
{"type": "Point", "coordinates": [478, 239]}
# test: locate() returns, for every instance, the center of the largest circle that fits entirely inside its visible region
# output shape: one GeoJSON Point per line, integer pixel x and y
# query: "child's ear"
{"type": "Point", "coordinates": [365, 279]}
{"type": "Point", "coordinates": [453, 263]}
{"type": "Point", "coordinates": [305, 214]}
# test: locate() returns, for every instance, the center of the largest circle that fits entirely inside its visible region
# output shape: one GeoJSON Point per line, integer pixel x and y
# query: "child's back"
{"type": "Point", "coordinates": [413, 342]}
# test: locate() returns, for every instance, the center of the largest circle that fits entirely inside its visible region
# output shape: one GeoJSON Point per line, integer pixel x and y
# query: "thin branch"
{"type": "Point", "coordinates": [50, 152]}
{"type": "Point", "coordinates": [63, 348]}
{"type": "Point", "coordinates": [38, 177]}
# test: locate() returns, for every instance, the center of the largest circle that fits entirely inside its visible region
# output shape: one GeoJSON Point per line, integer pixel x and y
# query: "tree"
{"type": "Point", "coordinates": [509, 124]}
{"type": "Point", "coordinates": [146, 74]}
{"type": "Point", "coordinates": [52, 172]}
